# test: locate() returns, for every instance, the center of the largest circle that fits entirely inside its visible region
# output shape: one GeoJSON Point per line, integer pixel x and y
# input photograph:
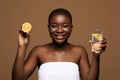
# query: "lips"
{"type": "Point", "coordinates": [59, 37]}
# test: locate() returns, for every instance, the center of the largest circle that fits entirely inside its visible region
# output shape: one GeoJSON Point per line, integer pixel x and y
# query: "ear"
{"type": "Point", "coordinates": [71, 26]}
{"type": "Point", "coordinates": [48, 25]}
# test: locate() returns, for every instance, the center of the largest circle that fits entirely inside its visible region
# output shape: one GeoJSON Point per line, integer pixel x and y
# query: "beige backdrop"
{"type": "Point", "coordinates": [87, 14]}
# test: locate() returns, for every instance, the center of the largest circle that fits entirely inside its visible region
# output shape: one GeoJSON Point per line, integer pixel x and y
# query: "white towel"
{"type": "Point", "coordinates": [59, 71]}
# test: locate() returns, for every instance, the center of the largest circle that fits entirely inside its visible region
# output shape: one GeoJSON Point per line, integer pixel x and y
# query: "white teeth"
{"type": "Point", "coordinates": [59, 37]}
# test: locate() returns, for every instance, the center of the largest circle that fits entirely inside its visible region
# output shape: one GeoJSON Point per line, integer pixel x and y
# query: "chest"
{"type": "Point", "coordinates": [60, 56]}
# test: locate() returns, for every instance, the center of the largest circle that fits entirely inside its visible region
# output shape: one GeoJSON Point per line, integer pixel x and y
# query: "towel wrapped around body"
{"type": "Point", "coordinates": [59, 71]}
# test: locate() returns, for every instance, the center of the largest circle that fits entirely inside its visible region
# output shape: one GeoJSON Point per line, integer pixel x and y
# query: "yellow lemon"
{"type": "Point", "coordinates": [98, 36]}
{"type": "Point", "coordinates": [26, 27]}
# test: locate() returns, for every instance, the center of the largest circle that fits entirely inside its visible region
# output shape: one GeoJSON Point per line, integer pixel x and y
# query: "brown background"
{"type": "Point", "coordinates": [87, 14]}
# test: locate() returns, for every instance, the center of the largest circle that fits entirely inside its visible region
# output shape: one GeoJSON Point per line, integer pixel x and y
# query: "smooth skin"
{"type": "Point", "coordinates": [59, 50]}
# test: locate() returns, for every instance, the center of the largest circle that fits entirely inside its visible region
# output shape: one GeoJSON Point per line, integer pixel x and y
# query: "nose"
{"type": "Point", "coordinates": [59, 29]}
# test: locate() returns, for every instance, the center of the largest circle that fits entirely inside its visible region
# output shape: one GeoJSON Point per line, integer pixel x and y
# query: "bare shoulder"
{"type": "Point", "coordinates": [79, 48]}
{"type": "Point", "coordinates": [39, 48]}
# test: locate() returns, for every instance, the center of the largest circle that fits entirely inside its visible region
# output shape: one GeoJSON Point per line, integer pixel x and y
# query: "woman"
{"type": "Point", "coordinates": [58, 60]}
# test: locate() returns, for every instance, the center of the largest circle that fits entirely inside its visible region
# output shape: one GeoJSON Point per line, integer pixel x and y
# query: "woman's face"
{"type": "Point", "coordinates": [60, 28]}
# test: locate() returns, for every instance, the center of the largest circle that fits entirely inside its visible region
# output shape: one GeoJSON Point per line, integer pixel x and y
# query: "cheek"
{"type": "Point", "coordinates": [51, 31]}
{"type": "Point", "coordinates": [67, 30]}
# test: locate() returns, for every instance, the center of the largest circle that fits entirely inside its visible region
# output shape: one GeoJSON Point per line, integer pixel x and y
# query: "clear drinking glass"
{"type": "Point", "coordinates": [97, 36]}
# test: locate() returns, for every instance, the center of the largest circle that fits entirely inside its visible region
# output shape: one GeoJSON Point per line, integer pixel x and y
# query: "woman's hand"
{"type": "Point", "coordinates": [23, 38]}
{"type": "Point", "coordinates": [98, 47]}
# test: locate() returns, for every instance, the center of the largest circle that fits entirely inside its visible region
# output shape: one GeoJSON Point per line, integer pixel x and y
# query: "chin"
{"type": "Point", "coordinates": [60, 41]}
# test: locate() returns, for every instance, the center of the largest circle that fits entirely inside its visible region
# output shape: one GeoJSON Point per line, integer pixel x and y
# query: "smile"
{"type": "Point", "coordinates": [59, 37]}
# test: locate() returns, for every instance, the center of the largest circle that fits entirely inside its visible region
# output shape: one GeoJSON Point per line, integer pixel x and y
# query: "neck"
{"type": "Point", "coordinates": [60, 45]}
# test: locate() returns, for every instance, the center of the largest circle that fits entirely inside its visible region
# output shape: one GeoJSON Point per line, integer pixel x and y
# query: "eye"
{"type": "Point", "coordinates": [53, 25]}
{"type": "Point", "coordinates": [65, 25]}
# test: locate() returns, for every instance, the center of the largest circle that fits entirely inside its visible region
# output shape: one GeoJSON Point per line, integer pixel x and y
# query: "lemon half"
{"type": "Point", "coordinates": [26, 27]}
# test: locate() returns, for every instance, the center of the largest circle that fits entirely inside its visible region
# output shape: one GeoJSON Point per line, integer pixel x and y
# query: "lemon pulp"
{"type": "Point", "coordinates": [26, 27]}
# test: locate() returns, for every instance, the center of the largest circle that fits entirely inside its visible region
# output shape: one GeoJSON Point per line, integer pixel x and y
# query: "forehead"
{"type": "Point", "coordinates": [59, 18]}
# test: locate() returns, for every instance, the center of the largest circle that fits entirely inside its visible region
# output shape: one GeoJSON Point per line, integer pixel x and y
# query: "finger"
{"type": "Point", "coordinates": [104, 41]}
{"type": "Point", "coordinates": [103, 47]}
{"type": "Point", "coordinates": [23, 33]}
{"type": "Point", "coordinates": [90, 41]}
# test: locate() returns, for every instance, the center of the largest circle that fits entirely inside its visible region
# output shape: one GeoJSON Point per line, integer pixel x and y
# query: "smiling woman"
{"type": "Point", "coordinates": [58, 59]}
{"type": "Point", "coordinates": [60, 28]}
{"type": "Point", "coordinates": [60, 25]}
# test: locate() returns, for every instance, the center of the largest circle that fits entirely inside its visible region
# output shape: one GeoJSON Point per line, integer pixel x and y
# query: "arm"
{"type": "Point", "coordinates": [99, 47]}
{"type": "Point", "coordinates": [93, 73]}
{"type": "Point", "coordinates": [21, 68]}
{"type": "Point", "coordinates": [87, 71]}
{"type": "Point", "coordinates": [84, 64]}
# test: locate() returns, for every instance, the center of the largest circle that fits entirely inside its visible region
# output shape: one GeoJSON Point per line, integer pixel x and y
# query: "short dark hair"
{"type": "Point", "coordinates": [60, 11]}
